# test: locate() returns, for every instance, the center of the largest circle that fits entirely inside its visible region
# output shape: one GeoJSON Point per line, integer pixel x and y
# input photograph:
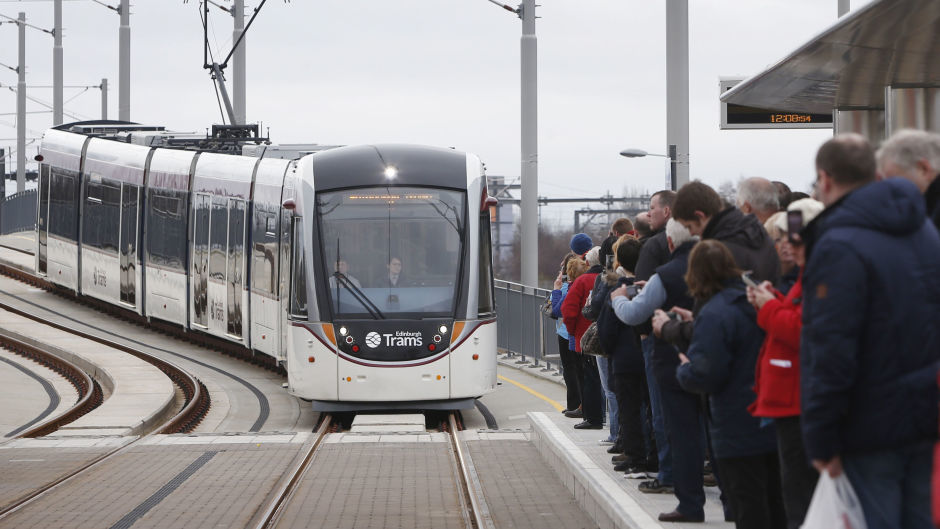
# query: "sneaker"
{"type": "Point", "coordinates": [654, 487]}
{"type": "Point", "coordinates": [633, 473]}
{"type": "Point", "coordinates": [607, 442]}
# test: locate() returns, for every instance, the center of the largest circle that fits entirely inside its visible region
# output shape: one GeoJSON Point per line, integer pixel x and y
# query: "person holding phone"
{"type": "Point", "coordinates": [777, 376]}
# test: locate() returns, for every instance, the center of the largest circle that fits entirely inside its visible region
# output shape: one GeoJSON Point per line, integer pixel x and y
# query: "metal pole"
{"type": "Point", "coordinates": [677, 86]}
{"type": "Point", "coordinates": [843, 7]}
{"type": "Point", "coordinates": [238, 64]}
{"type": "Point", "coordinates": [104, 99]}
{"type": "Point", "coordinates": [57, 82]}
{"type": "Point", "coordinates": [220, 81]}
{"type": "Point", "coordinates": [3, 174]}
{"type": "Point", "coordinates": [530, 156]}
{"type": "Point", "coordinates": [673, 167]}
{"type": "Point", "coordinates": [124, 67]}
{"type": "Point", "coordinates": [21, 109]}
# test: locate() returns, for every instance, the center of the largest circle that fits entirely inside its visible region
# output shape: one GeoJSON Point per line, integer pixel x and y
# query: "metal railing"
{"type": "Point", "coordinates": [524, 330]}
{"type": "Point", "coordinates": [18, 212]}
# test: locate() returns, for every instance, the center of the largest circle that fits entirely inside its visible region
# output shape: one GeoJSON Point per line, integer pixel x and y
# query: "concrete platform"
{"type": "Point", "coordinates": [612, 501]}
{"type": "Point", "coordinates": [137, 394]}
{"type": "Point", "coordinates": [167, 481]}
{"type": "Point", "coordinates": [18, 250]}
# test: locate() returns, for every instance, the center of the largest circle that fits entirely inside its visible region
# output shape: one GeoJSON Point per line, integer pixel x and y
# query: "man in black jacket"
{"type": "Point", "coordinates": [655, 253]}
{"type": "Point", "coordinates": [700, 209]}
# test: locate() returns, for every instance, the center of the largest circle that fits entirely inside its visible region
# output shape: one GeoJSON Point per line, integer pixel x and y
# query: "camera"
{"type": "Point", "coordinates": [673, 315]}
{"type": "Point", "coordinates": [633, 290]}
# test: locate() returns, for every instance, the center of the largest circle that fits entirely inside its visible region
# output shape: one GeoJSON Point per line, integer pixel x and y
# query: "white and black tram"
{"type": "Point", "coordinates": [366, 271]}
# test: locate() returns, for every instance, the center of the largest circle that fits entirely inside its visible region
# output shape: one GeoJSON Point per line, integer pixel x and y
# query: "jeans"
{"type": "Point", "coordinates": [797, 476]}
{"type": "Point", "coordinates": [571, 372]}
{"type": "Point", "coordinates": [752, 484]}
{"type": "Point", "coordinates": [613, 417]}
{"type": "Point", "coordinates": [893, 485]}
{"type": "Point", "coordinates": [659, 429]}
{"type": "Point", "coordinates": [592, 396]}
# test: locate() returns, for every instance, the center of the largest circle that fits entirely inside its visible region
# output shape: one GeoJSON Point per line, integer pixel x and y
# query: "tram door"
{"type": "Point", "coordinates": [129, 199]}
{"type": "Point", "coordinates": [42, 222]}
{"type": "Point", "coordinates": [200, 273]}
{"type": "Point", "coordinates": [235, 272]}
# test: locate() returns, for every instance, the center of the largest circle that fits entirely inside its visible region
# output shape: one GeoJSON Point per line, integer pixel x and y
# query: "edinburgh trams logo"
{"type": "Point", "coordinates": [398, 339]}
{"type": "Point", "coordinates": [373, 339]}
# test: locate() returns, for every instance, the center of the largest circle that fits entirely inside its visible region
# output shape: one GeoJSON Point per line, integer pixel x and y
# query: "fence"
{"type": "Point", "coordinates": [524, 330]}
{"type": "Point", "coordinates": [18, 212]}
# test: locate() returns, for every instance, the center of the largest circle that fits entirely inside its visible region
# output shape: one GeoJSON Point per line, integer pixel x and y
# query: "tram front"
{"type": "Point", "coordinates": [402, 280]}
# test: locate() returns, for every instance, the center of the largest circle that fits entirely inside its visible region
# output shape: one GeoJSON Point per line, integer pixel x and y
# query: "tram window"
{"type": "Point", "coordinates": [102, 216]}
{"type": "Point", "coordinates": [400, 247]}
{"type": "Point", "coordinates": [63, 195]}
{"type": "Point", "coordinates": [485, 296]}
{"type": "Point", "coordinates": [218, 238]}
{"type": "Point", "coordinates": [264, 250]}
{"type": "Point", "coordinates": [166, 228]}
{"type": "Point", "coordinates": [298, 284]}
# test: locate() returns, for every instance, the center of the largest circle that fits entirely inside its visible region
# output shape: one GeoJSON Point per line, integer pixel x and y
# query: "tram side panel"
{"type": "Point", "coordinates": [265, 250]}
{"type": "Point", "coordinates": [218, 293]}
{"type": "Point", "coordinates": [113, 177]}
{"type": "Point", "coordinates": [59, 199]}
{"type": "Point", "coordinates": [167, 206]}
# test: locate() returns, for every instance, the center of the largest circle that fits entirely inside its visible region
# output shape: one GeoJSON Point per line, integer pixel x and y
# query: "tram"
{"type": "Point", "coordinates": [366, 271]}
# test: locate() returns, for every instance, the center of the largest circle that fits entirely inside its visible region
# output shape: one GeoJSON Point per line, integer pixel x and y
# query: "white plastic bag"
{"type": "Point", "coordinates": [834, 505]}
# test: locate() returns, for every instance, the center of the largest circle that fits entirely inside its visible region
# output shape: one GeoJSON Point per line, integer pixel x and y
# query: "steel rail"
{"type": "Point", "coordinates": [287, 487]}
{"type": "Point", "coordinates": [469, 483]}
{"type": "Point", "coordinates": [89, 391]}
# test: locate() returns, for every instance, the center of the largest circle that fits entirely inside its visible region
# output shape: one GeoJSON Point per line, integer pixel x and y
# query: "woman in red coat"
{"type": "Point", "coordinates": [592, 399]}
{"type": "Point", "coordinates": [777, 376]}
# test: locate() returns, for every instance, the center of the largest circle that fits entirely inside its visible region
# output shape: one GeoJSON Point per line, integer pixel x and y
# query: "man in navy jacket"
{"type": "Point", "coordinates": [871, 343]}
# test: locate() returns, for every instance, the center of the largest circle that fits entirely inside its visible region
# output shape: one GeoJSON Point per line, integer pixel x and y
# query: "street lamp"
{"type": "Point", "coordinates": [673, 163]}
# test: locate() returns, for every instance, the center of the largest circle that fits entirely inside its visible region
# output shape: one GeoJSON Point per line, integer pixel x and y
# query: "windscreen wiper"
{"type": "Point", "coordinates": [359, 295]}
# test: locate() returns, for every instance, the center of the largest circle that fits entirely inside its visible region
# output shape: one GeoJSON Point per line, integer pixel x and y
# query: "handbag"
{"type": "Point", "coordinates": [546, 307]}
{"type": "Point", "coordinates": [591, 343]}
{"type": "Point", "coordinates": [834, 505]}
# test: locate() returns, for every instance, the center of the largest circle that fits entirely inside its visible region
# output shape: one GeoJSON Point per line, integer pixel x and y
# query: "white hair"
{"type": "Point", "coordinates": [677, 233]}
{"type": "Point", "coordinates": [760, 193]}
{"type": "Point", "coordinates": [906, 147]}
{"type": "Point", "coordinates": [593, 256]}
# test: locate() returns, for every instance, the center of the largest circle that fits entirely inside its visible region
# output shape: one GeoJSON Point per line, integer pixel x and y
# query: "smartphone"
{"type": "Point", "coordinates": [564, 277]}
{"type": "Point", "coordinates": [794, 225]}
{"type": "Point", "coordinates": [633, 290]}
{"type": "Point", "coordinates": [610, 262]}
{"type": "Point", "coordinates": [746, 277]}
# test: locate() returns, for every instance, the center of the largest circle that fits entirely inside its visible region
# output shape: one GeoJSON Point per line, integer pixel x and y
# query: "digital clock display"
{"type": "Point", "coordinates": [742, 115]}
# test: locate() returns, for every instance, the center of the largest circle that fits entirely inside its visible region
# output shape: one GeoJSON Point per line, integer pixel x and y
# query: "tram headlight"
{"type": "Point", "coordinates": [443, 329]}
{"type": "Point", "coordinates": [342, 331]}
{"type": "Point", "coordinates": [391, 172]}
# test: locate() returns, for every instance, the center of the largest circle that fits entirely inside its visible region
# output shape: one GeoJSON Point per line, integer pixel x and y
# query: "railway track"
{"type": "Point", "coordinates": [474, 511]}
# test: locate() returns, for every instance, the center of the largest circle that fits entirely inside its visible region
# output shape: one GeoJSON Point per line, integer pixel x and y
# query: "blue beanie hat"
{"type": "Point", "coordinates": [580, 244]}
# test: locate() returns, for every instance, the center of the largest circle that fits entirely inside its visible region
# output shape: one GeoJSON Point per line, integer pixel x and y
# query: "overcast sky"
{"type": "Point", "coordinates": [442, 72]}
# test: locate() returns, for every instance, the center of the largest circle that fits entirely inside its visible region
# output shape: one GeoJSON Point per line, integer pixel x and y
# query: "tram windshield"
{"type": "Point", "coordinates": [392, 251]}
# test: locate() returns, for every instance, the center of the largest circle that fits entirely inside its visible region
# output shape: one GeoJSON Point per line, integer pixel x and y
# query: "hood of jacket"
{"type": "Point", "coordinates": [733, 226]}
{"type": "Point", "coordinates": [894, 206]}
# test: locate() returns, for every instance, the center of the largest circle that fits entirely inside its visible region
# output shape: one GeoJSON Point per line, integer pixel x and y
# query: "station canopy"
{"type": "Point", "coordinates": [886, 43]}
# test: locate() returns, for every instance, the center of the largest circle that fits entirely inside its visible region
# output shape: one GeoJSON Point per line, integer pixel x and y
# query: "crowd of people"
{"type": "Point", "coordinates": [752, 346]}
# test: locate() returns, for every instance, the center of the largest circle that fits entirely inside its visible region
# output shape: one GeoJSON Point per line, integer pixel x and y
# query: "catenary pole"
{"type": "Point", "coordinates": [530, 156]}
{"type": "Point", "coordinates": [104, 99]}
{"type": "Point", "coordinates": [677, 89]}
{"type": "Point", "coordinates": [124, 66]}
{"type": "Point", "coordinates": [21, 108]}
{"type": "Point", "coordinates": [238, 65]}
{"type": "Point", "coordinates": [57, 83]}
